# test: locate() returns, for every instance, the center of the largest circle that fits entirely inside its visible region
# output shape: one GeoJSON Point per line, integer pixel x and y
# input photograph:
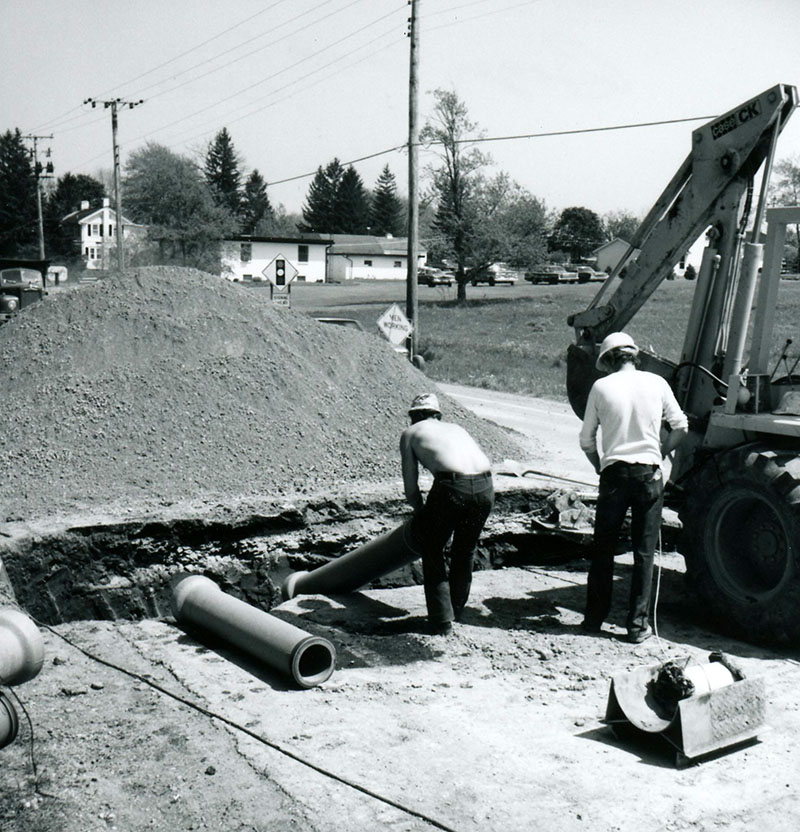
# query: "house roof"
{"type": "Point", "coordinates": [339, 243]}
{"type": "Point", "coordinates": [90, 213]}
{"type": "Point", "coordinates": [304, 237]}
{"type": "Point", "coordinates": [609, 243]}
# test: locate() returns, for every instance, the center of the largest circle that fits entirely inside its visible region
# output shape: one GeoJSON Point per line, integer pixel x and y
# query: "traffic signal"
{"type": "Point", "coordinates": [280, 272]}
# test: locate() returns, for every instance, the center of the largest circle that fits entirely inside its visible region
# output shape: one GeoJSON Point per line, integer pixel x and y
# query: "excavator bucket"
{"type": "Point", "coordinates": [581, 375]}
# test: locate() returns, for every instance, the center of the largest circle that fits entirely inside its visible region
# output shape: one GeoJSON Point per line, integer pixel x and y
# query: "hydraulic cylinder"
{"type": "Point", "coordinates": [372, 560]}
{"type": "Point", "coordinates": [198, 602]}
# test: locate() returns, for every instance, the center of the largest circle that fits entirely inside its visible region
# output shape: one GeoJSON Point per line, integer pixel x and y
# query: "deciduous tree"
{"type": "Point", "coordinates": [578, 231]}
{"type": "Point", "coordinates": [167, 192]}
{"type": "Point", "coordinates": [621, 224]}
{"type": "Point", "coordinates": [785, 190]}
{"type": "Point", "coordinates": [455, 180]}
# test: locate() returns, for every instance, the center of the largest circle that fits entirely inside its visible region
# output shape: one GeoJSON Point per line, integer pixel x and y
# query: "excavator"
{"type": "Point", "coordinates": [736, 479]}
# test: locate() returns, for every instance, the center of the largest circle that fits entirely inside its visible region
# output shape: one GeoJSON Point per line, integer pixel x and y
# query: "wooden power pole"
{"type": "Point", "coordinates": [413, 181]}
{"type": "Point", "coordinates": [114, 103]}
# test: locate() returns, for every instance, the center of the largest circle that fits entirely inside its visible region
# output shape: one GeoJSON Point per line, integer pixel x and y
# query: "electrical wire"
{"type": "Point", "coordinates": [252, 734]}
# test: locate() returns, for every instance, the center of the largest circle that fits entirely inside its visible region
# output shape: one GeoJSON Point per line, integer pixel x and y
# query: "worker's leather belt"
{"type": "Point", "coordinates": [452, 476]}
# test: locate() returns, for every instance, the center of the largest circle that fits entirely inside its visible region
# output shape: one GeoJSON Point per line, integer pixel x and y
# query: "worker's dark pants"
{"type": "Point", "coordinates": [624, 485]}
{"type": "Point", "coordinates": [457, 505]}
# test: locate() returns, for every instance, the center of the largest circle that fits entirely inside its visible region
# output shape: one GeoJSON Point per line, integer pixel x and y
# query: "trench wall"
{"type": "Point", "coordinates": [123, 570]}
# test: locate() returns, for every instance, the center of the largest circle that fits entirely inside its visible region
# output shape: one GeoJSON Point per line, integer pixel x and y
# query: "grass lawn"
{"type": "Point", "coordinates": [515, 338]}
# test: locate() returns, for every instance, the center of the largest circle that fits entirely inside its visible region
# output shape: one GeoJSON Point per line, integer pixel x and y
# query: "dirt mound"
{"type": "Point", "coordinates": [169, 384]}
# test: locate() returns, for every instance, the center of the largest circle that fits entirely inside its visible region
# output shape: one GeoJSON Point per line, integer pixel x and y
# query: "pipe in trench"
{"type": "Point", "coordinates": [199, 602]}
{"type": "Point", "coordinates": [372, 560]}
{"type": "Point", "coordinates": [21, 658]}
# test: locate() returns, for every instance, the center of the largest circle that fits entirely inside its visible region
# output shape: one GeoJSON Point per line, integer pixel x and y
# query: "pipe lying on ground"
{"type": "Point", "coordinates": [21, 658]}
{"type": "Point", "coordinates": [308, 659]}
{"type": "Point", "coordinates": [21, 649]}
{"type": "Point", "coordinates": [353, 570]}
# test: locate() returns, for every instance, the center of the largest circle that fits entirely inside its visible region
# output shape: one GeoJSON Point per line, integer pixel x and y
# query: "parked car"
{"type": "Point", "coordinates": [347, 322]}
{"type": "Point", "coordinates": [496, 273]}
{"type": "Point", "coordinates": [587, 274]}
{"type": "Point", "coordinates": [551, 273]}
{"type": "Point", "coordinates": [430, 276]}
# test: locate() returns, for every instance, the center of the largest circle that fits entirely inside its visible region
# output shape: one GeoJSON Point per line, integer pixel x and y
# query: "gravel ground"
{"type": "Point", "coordinates": [168, 385]}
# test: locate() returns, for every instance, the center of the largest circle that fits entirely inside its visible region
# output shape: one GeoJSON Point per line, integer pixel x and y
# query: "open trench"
{"type": "Point", "coordinates": [124, 570]}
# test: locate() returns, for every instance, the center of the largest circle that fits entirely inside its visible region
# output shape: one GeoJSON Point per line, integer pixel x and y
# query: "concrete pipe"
{"type": "Point", "coordinates": [21, 649]}
{"type": "Point", "coordinates": [308, 659]}
{"type": "Point", "coordinates": [349, 572]}
{"type": "Point", "coordinates": [9, 721]}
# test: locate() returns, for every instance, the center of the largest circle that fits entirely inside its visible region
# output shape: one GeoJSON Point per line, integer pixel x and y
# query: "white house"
{"type": "Point", "coordinates": [610, 253]}
{"type": "Point", "coordinates": [245, 257]}
{"type": "Point", "coordinates": [94, 232]}
{"type": "Point", "coordinates": [369, 258]}
{"type": "Point", "coordinates": [318, 258]}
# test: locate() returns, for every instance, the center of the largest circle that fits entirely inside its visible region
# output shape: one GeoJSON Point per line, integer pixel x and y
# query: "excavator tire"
{"type": "Point", "coordinates": [741, 541]}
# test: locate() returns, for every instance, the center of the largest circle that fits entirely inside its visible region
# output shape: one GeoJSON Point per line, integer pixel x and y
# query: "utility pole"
{"type": "Point", "coordinates": [114, 104]}
{"type": "Point", "coordinates": [41, 172]}
{"type": "Point", "coordinates": [413, 181]}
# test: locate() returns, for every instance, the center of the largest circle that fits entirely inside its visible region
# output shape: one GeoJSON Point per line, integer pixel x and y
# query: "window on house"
{"type": "Point", "coordinates": [248, 278]}
{"type": "Point", "coordinates": [247, 252]}
{"type": "Point", "coordinates": [398, 264]}
{"type": "Point", "coordinates": [302, 254]}
{"type": "Point", "coordinates": [301, 278]}
{"type": "Point", "coordinates": [368, 262]}
{"type": "Point", "coordinates": [96, 230]}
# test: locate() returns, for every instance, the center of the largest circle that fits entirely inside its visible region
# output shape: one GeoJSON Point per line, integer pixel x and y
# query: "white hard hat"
{"type": "Point", "coordinates": [615, 341]}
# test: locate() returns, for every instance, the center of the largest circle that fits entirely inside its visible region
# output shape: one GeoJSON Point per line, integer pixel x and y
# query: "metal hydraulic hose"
{"type": "Point", "coordinates": [197, 601]}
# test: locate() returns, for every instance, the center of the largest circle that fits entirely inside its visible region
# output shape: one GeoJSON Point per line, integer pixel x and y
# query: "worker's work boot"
{"type": "Point", "coordinates": [638, 636]}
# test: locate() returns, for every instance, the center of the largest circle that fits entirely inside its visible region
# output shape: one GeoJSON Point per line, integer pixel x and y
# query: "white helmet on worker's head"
{"type": "Point", "coordinates": [615, 341]}
{"type": "Point", "coordinates": [427, 402]}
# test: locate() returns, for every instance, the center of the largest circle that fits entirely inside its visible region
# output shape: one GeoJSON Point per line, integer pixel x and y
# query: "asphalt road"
{"type": "Point", "coordinates": [548, 429]}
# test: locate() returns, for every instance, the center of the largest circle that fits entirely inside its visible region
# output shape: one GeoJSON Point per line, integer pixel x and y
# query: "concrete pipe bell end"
{"type": "Point", "coordinates": [289, 588]}
{"type": "Point", "coordinates": [21, 647]}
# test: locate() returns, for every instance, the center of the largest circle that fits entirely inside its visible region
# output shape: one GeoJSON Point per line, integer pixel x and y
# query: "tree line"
{"type": "Point", "coordinates": [470, 217]}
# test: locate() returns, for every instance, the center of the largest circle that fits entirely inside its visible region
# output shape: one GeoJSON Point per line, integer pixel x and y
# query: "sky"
{"type": "Point", "coordinates": [299, 82]}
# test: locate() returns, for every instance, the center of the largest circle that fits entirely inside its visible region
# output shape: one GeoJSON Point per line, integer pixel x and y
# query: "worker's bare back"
{"type": "Point", "coordinates": [444, 447]}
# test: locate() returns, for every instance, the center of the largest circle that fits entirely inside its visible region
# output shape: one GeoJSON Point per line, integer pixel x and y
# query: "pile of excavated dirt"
{"type": "Point", "coordinates": [168, 385]}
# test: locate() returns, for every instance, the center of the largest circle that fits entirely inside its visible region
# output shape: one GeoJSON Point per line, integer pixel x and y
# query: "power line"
{"type": "Point", "coordinates": [426, 145]}
{"type": "Point", "coordinates": [274, 75]}
{"type": "Point", "coordinates": [200, 46]}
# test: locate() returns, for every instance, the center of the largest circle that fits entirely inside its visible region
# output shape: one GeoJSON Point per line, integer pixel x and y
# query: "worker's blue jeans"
{"type": "Point", "coordinates": [457, 505]}
{"type": "Point", "coordinates": [639, 487]}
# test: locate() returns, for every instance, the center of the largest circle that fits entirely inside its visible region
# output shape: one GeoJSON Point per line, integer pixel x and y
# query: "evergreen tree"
{"type": "Point", "coordinates": [319, 212]}
{"type": "Point", "coordinates": [18, 212]}
{"type": "Point", "coordinates": [222, 172]}
{"type": "Point", "coordinates": [69, 192]}
{"type": "Point", "coordinates": [387, 210]}
{"type": "Point", "coordinates": [255, 211]}
{"type": "Point", "coordinates": [352, 207]}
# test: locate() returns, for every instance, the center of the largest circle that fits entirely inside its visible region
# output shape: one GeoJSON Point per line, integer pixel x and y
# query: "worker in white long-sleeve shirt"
{"type": "Point", "coordinates": [629, 406]}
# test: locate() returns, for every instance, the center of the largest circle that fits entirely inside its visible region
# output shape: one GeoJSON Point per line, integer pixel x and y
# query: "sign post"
{"type": "Point", "coordinates": [280, 272]}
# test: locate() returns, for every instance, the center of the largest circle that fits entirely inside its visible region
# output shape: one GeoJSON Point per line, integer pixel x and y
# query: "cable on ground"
{"type": "Point", "coordinates": [252, 734]}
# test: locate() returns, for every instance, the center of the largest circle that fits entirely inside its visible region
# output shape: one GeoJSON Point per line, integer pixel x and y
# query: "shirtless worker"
{"type": "Point", "coordinates": [629, 407]}
{"type": "Point", "coordinates": [458, 503]}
